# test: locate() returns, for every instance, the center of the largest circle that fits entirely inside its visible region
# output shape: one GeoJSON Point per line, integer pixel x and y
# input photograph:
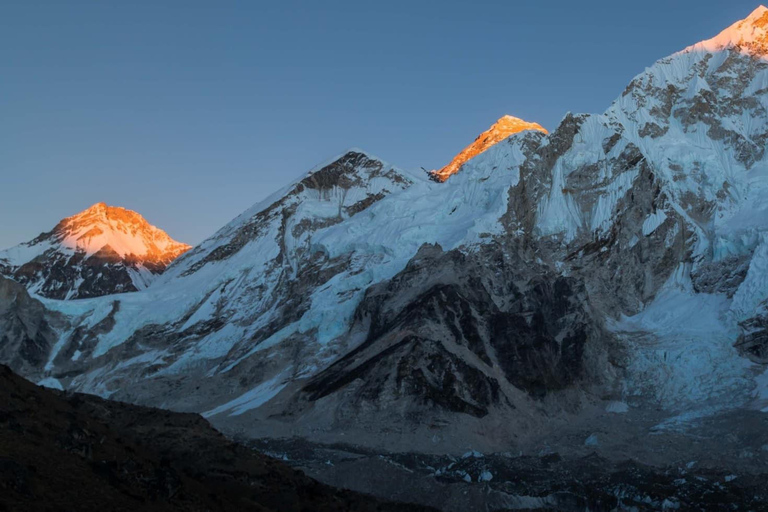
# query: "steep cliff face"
{"type": "Point", "coordinates": [463, 333]}
{"type": "Point", "coordinates": [616, 260]}
{"type": "Point", "coordinates": [100, 251]}
{"type": "Point", "coordinates": [27, 330]}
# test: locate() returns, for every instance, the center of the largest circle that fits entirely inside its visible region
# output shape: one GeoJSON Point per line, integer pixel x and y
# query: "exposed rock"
{"type": "Point", "coordinates": [27, 329]}
{"type": "Point", "coordinates": [753, 340]}
{"type": "Point", "coordinates": [453, 331]}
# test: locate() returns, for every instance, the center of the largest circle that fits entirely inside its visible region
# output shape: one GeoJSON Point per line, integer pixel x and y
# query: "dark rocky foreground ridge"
{"type": "Point", "coordinates": [70, 451]}
{"type": "Point", "coordinates": [64, 452]}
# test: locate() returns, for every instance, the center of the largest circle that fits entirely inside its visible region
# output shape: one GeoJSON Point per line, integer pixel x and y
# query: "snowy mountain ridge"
{"type": "Point", "coordinates": [618, 259]}
{"type": "Point", "coordinates": [749, 35]}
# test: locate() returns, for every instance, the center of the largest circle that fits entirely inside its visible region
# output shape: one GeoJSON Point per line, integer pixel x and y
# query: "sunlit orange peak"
{"type": "Point", "coordinates": [122, 231]}
{"type": "Point", "coordinates": [501, 129]}
{"type": "Point", "coordinates": [749, 35]}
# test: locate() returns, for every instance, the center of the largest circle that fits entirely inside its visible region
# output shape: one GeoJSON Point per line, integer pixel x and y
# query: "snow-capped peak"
{"type": "Point", "coordinates": [507, 125]}
{"type": "Point", "coordinates": [101, 250]}
{"type": "Point", "coordinates": [124, 231]}
{"type": "Point", "coordinates": [749, 35]}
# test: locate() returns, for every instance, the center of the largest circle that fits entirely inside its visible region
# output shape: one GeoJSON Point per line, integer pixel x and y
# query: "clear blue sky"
{"type": "Point", "coordinates": [189, 112]}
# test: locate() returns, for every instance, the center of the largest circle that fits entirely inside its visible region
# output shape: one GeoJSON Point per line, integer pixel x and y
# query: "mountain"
{"type": "Point", "coordinates": [500, 130]}
{"type": "Point", "coordinates": [533, 274]}
{"type": "Point", "coordinates": [600, 288]}
{"type": "Point", "coordinates": [100, 251]}
{"type": "Point", "coordinates": [84, 453]}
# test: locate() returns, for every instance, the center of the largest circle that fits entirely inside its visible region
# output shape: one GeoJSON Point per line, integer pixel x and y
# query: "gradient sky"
{"type": "Point", "coordinates": [189, 112]}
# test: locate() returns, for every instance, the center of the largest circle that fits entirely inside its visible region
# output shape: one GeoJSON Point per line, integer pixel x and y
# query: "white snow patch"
{"type": "Point", "coordinates": [617, 407]}
{"type": "Point", "coordinates": [252, 399]}
{"type": "Point", "coordinates": [485, 476]}
{"type": "Point", "coordinates": [653, 221]}
{"type": "Point", "coordinates": [50, 382]}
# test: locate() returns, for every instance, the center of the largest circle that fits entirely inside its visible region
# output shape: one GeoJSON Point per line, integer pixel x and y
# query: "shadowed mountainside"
{"type": "Point", "coordinates": [77, 452]}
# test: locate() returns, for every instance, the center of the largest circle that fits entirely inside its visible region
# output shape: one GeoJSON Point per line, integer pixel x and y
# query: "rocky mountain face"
{"type": "Point", "coordinates": [501, 129]}
{"type": "Point", "coordinates": [460, 333]}
{"type": "Point", "coordinates": [78, 452]}
{"type": "Point", "coordinates": [27, 329]}
{"type": "Point", "coordinates": [614, 268]}
{"type": "Point", "coordinates": [100, 251]}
